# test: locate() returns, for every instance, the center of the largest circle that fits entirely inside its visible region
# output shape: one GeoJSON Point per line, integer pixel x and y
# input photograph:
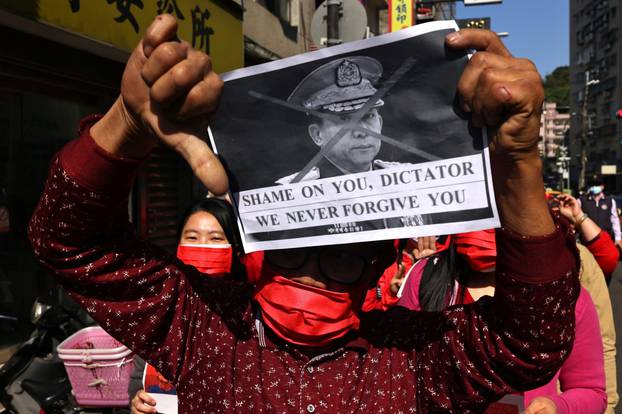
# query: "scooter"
{"type": "Point", "coordinates": [34, 379]}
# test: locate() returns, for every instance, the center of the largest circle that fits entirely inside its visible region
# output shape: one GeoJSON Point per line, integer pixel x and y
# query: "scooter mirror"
{"type": "Point", "coordinates": [37, 311]}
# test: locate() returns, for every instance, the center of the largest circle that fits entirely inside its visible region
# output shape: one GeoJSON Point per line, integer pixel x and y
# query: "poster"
{"type": "Point", "coordinates": [212, 26]}
{"type": "Point", "coordinates": [357, 142]}
{"type": "Point", "coordinates": [161, 390]}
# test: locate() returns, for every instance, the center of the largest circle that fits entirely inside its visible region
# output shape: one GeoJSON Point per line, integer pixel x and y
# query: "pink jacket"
{"type": "Point", "coordinates": [581, 377]}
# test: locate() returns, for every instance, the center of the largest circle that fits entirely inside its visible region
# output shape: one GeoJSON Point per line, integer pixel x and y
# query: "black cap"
{"type": "Point", "coordinates": [339, 86]}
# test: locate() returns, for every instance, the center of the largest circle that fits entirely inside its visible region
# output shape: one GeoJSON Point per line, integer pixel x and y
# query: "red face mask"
{"type": "Point", "coordinates": [440, 247]}
{"type": "Point", "coordinates": [212, 259]}
{"type": "Point", "coordinates": [478, 248]}
{"type": "Point", "coordinates": [305, 315]}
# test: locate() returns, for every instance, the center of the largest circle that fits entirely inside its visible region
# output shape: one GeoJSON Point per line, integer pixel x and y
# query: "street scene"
{"type": "Point", "coordinates": [310, 206]}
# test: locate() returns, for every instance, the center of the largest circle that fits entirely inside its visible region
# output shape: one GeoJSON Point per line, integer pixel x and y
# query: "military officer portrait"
{"type": "Point", "coordinates": [341, 87]}
{"type": "Point", "coordinates": [319, 117]}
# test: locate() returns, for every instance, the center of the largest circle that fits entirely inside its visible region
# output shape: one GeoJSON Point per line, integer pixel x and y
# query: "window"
{"type": "Point", "coordinates": [605, 108]}
{"type": "Point", "coordinates": [601, 23]}
{"type": "Point", "coordinates": [286, 10]}
{"type": "Point", "coordinates": [612, 59]}
{"type": "Point", "coordinates": [608, 84]}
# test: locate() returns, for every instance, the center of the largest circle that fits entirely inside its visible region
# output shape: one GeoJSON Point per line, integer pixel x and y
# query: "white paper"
{"type": "Point", "coordinates": [165, 403]}
{"type": "Point", "coordinates": [430, 176]}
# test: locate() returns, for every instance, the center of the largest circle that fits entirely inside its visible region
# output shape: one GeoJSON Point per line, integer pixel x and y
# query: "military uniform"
{"type": "Point", "coordinates": [343, 86]}
{"type": "Point", "coordinates": [325, 169]}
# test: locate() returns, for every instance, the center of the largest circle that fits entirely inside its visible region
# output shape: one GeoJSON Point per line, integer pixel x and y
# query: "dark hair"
{"type": "Point", "coordinates": [223, 212]}
{"type": "Point", "coordinates": [439, 277]}
{"type": "Point", "coordinates": [595, 181]}
{"type": "Point", "coordinates": [218, 208]}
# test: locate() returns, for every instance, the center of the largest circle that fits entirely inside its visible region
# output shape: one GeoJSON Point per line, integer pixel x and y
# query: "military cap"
{"type": "Point", "coordinates": [339, 86]}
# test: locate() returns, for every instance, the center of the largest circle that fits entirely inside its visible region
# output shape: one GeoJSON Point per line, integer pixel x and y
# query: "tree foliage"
{"type": "Point", "coordinates": [557, 86]}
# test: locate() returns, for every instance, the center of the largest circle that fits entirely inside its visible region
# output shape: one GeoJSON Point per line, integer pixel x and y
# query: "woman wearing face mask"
{"type": "Point", "coordinates": [462, 272]}
{"type": "Point", "coordinates": [208, 242]}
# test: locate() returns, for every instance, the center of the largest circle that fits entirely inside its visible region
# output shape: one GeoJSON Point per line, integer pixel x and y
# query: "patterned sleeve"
{"type": "Point", "coordinates": [582, 377]}
{"type": "Point", "coordinates": [593, 281]}
{"type": "Point", "coordinates": [469, 355]}
{"type": "Point", "coordinates": [80, 231]}
{"type": "Point", "coordinates": [514, 341]}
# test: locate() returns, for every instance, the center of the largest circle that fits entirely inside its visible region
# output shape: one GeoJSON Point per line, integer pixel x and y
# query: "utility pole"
{"type": "Point", "coordinates": [563, 168]}
{"type": "Point", "coordinates": [333, 14]}
{"type": "Point", "coordinates": [586, 127]}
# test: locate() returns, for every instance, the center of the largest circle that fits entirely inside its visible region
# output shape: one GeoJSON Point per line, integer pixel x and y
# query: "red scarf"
{"type": "Point", "coordinates": [305, 315]}
{"type": "Point", "coordinates": [212, 259]}
{"type": "Point", "coordinates": [478, 248]}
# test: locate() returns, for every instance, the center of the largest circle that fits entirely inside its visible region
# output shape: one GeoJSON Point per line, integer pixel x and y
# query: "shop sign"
{"type": "Point", "coordinates": [212, 26]}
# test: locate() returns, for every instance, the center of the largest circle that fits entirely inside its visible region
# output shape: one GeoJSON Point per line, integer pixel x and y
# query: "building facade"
{"type": "Point", "coordinates": [553, 145]}
{"type": "Point", "coordinates": [377, 14]}
{"type": "Point", "coordinates": [274, 29]}
{"type": "Point", "coordinates": [596, 89]}
{"type": "Point", "coordinates": [61, 60]}
{"type": "Point", "coordinates": [554, 124]}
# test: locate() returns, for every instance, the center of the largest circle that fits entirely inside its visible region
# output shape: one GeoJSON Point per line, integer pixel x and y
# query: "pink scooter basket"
{"type": "Point", "coordinates": [98, 367]}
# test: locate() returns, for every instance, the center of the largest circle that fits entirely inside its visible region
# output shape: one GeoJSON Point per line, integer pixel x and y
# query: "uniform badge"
{"type": "Point", "coordinates": [348, 74]}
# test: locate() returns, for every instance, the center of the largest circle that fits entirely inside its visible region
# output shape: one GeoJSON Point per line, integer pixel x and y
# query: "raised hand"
{"type": "Point", "coordinates": [541, 405]}
{"type": "Point", "coordinates": [426, 246]}
{"type": "Point", "coordinates": [143, 403]}
{"type": "Point", "coordinates": [168, 92]}
{"type": "Point", "coordinates": [569, 207]}
{"type": "Point", "coordinates": [504, 94]}
{"type": "Point", "coordinates": [398, 278]}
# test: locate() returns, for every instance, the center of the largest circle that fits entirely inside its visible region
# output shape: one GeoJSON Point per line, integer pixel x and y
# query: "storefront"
{"type": "Point", "coordinates": [59, 61]}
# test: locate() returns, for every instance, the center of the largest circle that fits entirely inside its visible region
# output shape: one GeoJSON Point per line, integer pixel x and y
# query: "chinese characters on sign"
{"type": "Point", "coordinates": [201, 32]}
{"type": "Point", "coordinates": [123, 6]}
{"type": "Point", "coordinates": [75, 5]}
{"type": "Point", "coordinates": [400, 14]}
{"type": "Point", "coordinates": [170, 6]}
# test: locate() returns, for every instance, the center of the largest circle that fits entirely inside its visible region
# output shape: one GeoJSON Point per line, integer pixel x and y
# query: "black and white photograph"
{"type": "Point", "coordinates": [358, 142]}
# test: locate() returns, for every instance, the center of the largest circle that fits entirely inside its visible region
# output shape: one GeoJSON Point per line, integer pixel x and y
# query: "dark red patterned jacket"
{"type": "Point", "coordinates": [208, 339]}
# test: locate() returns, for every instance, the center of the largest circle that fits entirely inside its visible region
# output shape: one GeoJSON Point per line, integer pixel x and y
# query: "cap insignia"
{"type": "Point", "coordinates": [348, 74]}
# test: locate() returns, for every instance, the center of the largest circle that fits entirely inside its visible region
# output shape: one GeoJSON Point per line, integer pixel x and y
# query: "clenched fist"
{"type": "Point", "coordinates": [168, 92]}
{"type": "Point", "coordinates": [504, 94]}
{"type": "Point", "coordinates": [501, 92]}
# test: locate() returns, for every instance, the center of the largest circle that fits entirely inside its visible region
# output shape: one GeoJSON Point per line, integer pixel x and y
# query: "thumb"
{"type": "Point", "coordinates": [147, 398]}
{"type": "Point", "coordinates": [162, 29]}
{"type": "Point", "coordinates": [204, 163]}
{"type": "Point", "coordinates": [401, 271]}
{"type": "Point", "coordinates": [523, 104]}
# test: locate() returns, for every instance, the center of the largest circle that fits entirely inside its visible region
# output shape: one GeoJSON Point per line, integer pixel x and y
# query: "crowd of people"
{"type": "Point", "coordinates": [513, 317]}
